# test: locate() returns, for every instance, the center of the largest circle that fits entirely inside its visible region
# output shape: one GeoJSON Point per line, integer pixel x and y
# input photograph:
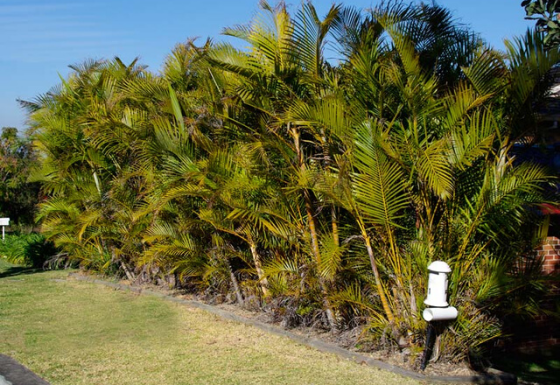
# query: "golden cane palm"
{"type": "Point", "coordinates": [285, 66]}
{"type": "Point", "coordinates": [88, 161]}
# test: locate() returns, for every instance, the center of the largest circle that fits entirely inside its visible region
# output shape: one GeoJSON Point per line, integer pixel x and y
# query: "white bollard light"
{"type": "Point", "coordinates": [437, 284]}
{"type": "Point", "coordinates": [439, 313]}
{"type": "Point", "coordinates": [439, 309]}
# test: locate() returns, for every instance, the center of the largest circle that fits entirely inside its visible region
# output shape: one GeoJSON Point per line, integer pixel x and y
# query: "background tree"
{"type": "Point", "coordinates": [18, 197]}
{"type": "Point", "coordinates": [548, 21]}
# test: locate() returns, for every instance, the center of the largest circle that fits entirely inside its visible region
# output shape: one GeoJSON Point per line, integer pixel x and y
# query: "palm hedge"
{"type": "Point", "coordinates": [314, 174]}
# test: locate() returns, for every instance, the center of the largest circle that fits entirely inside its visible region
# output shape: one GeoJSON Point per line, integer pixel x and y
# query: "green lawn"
{"type": "Point", "coordinates": [73, 332]}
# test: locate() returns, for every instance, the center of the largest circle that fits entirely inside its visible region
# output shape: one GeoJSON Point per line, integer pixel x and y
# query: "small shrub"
{"type": "Point", "coordinates": [30, 249]}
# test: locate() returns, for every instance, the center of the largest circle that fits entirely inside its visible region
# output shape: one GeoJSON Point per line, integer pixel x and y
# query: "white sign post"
{"type": "Point", "coordinates": [4, 222]}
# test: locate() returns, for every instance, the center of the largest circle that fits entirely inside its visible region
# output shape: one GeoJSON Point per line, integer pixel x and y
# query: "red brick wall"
{"type": "Point", "coordinates": [543, 331]}
{"type": "Point", "coordinates": [550, 253]}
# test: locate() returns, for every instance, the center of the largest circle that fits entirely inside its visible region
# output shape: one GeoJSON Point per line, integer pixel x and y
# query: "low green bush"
{"type": "Point", "coordinates": [31, 249]}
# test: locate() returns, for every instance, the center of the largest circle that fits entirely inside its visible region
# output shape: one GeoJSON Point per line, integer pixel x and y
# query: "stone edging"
{"type": "Point", "coordinates": [16, 374]}
{"type": "Point", "coordinates": [498, 378]}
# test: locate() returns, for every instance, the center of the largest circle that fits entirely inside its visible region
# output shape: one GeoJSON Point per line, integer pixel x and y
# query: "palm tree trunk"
{"type": "Point", "coordinates": [313, 230]}
{"type": "Point", "coordinates": [334, 225]}
{"type": "Point", "coordinates": [127, 271]}
{"type": "Point", "coordinates": [381, 291]}
{"type": "Point", "coordinates": [326, 166]}
{"type": "Point", "coordinates": [235, 284]}
{"type": "Point", "coordinates": [317, 254]}
{"type": "Point", "coordinates": [129, 274]}
{"type": "Point", "coordinates": [258, 266]}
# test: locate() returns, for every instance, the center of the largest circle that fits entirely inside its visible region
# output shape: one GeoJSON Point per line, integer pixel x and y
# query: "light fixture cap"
{"type": "Point", "coordinates": [439, 267]}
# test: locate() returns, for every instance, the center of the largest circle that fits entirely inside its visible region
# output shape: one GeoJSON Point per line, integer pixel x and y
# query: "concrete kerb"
{"type": "Point", "coordinates": [14, 373]}
{"type": "Point", "coordinates": [326, 347]}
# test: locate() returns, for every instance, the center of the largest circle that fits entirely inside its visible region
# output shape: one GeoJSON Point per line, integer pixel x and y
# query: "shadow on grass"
{"type": "Point", "coordinates": [542, 368]}
{"type": "Point", "coordinates": [14, 271]}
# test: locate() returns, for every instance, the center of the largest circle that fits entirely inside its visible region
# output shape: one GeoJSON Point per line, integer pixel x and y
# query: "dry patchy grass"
{"type": "Point", "coordinates": [79, 333]}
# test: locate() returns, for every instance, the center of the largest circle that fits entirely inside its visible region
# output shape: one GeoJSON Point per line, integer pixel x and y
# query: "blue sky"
{"type": "Point", "coordinates": [40, 38]}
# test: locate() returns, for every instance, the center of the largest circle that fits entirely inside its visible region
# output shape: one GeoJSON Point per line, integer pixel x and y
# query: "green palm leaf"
{"type": "Point", "coordinates": [379, 184]}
